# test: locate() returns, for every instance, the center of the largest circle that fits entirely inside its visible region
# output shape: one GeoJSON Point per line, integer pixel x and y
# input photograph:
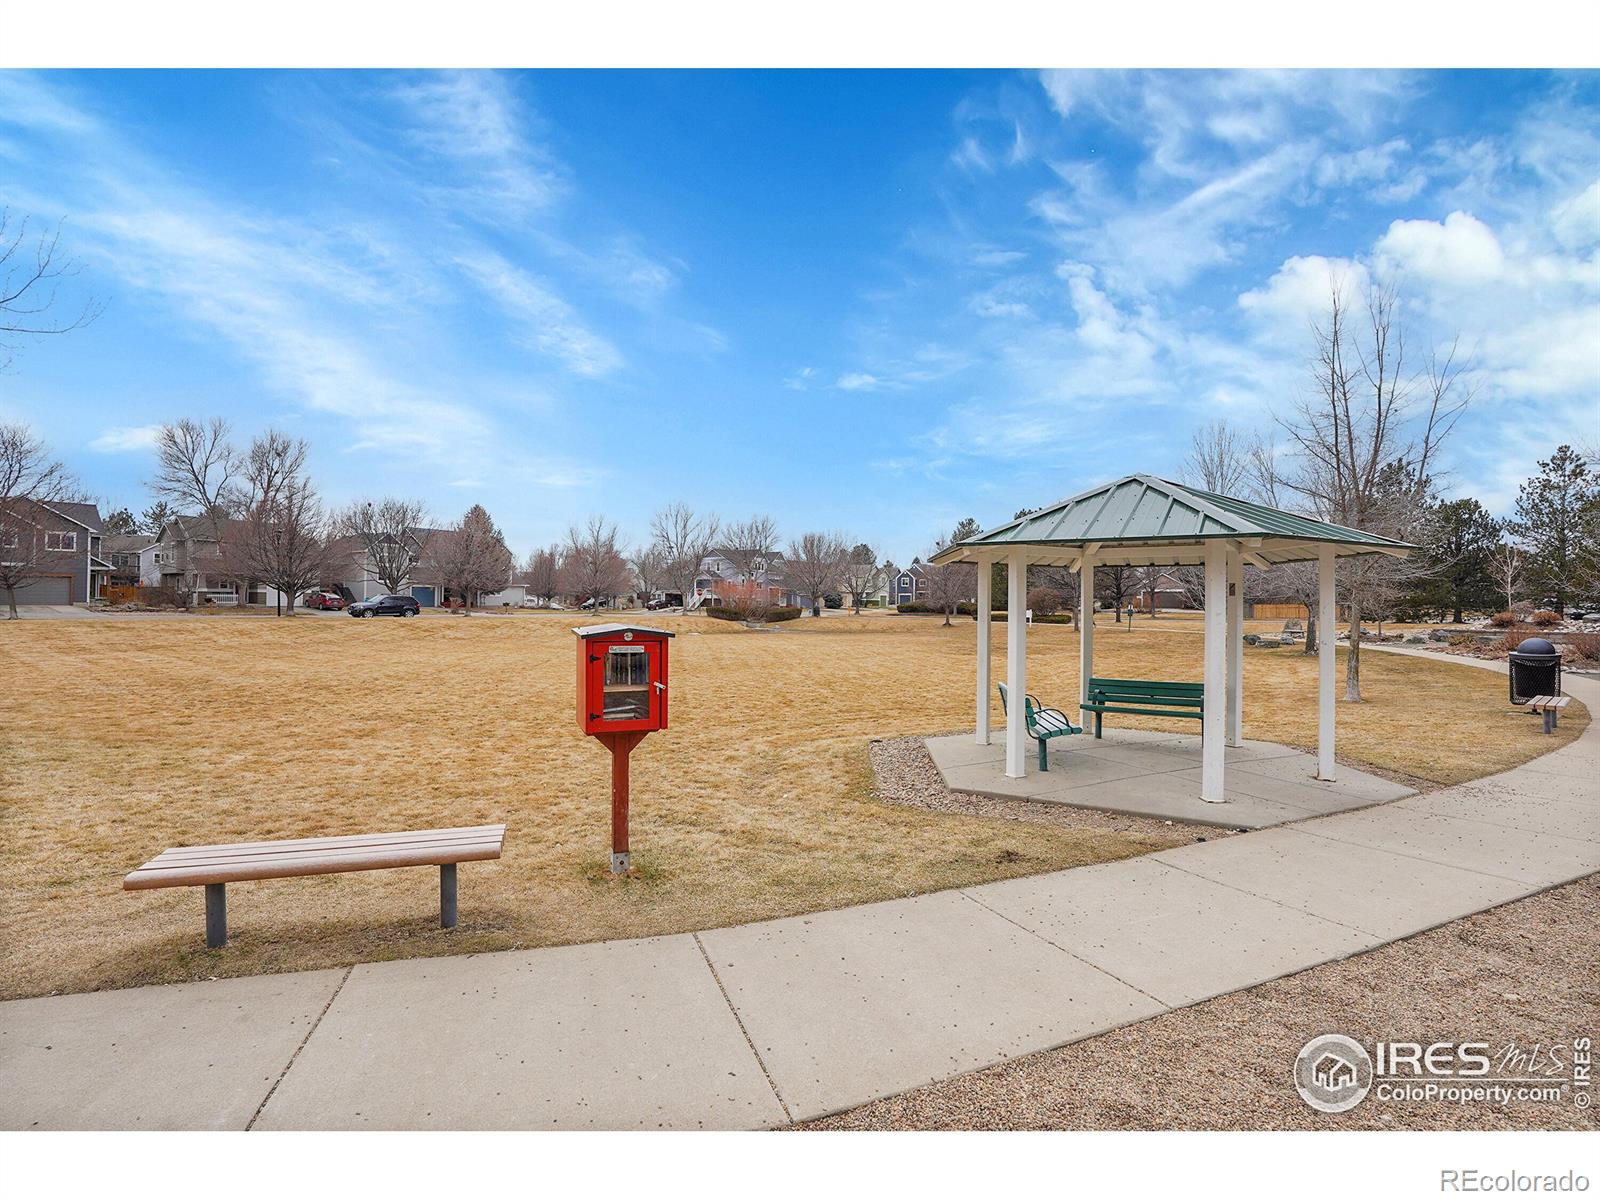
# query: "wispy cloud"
{"type": "Point", "coordinates": [549, 324]}
{"type": "Point", "coordinates": [123, 439]}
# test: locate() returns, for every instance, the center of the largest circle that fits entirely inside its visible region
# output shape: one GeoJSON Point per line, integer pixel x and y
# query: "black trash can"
{"type": "Point", "coordinates": [1535, 670]}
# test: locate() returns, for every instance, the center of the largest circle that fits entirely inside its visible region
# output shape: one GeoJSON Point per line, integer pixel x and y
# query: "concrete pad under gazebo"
{"type": "Point", "coordinates": [1141, 520]}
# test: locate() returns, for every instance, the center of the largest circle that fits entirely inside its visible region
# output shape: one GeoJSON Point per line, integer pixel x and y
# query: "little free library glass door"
{"type": "Point", "coordinates": [630, 689]}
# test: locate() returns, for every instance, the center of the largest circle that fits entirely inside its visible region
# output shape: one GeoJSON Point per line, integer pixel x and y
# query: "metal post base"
{"type": "Point", "coordinates": [447, 896]}
{"type": "Point", "coordinates": [621, 864]}
{"type": "Point", "coordinates": [216, 915]}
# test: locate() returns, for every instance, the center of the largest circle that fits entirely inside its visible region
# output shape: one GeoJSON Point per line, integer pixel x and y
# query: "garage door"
{"type": "Point", "coordinates": [46, 591]}
{"type": "Point", "coordinates": [423, 596]}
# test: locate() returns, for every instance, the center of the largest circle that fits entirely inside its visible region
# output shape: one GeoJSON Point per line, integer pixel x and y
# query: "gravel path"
{"type": "Point", "coordinates": [906, 775]}
{"type": "Point", "coordinates": [1524, 972]}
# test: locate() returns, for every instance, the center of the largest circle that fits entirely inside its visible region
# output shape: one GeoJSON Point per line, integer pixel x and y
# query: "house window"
{"type": "Point", "coordinates": [56, 540]}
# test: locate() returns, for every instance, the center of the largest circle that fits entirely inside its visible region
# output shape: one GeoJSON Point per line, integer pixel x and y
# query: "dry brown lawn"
{"type": "Point", "coordinates": [120, 738]}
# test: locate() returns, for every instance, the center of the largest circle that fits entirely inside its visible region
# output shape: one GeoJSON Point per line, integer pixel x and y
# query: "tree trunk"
{"type": "Point", "coordinates": [1352, 664]}
{"type": "Point", "coordinates": [1311, 631]}
{"type": "Point", "coordinates": [947, 611]}
{"type": "Point", "coordinates": [11, 601]}
{"type": "Point", "coordinates": [1456, 619]}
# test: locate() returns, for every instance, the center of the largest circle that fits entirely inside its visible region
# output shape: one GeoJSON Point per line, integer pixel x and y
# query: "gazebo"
{"type": "Point", "coordinates": [1140, 520]}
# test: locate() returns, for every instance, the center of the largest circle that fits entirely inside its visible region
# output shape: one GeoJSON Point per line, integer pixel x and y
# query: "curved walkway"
{"type": "Point", "coordinates": [757, 1025]}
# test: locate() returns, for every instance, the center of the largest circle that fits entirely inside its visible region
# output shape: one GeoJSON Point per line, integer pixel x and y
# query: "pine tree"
{"type": "Point", "coordinates": [1555, 514]}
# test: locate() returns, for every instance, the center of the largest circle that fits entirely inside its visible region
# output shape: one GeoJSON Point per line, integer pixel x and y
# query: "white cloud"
{"type": "Point", "coordinates": [122, 439]}
{"type": "Point", "coordinates": [1576, 222]}
{"type": "Point", "coordinates": [1460, 252]}
{"type": "Point", "coordinates": [472, 120]}
{"type": "Point", "coordinates": [1300, 291]}
{"type": "Point", "coordinates": [550, 325]}
{"type": "Point", "coordinates": [858, 381]}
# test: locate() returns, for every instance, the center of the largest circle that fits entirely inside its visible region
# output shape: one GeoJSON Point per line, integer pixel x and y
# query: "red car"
{"type": "Point", "coordinates": [325, 600]}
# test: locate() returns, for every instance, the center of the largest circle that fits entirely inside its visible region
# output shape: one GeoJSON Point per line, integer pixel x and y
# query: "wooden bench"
{"type": "Point", "coordinates": [1551, 707]}
{"type": "Point", "coordinates": [1041, 723]}
{"type": "Point", "coordinates": [1150, 697]}
{"type": "Point", "coordinates": [215, 867]}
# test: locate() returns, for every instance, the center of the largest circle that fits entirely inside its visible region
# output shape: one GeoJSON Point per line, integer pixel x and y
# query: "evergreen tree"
{"type": "Point", "coordinates": [1555, 513]}
{"type": "Point", "coordinates": [121, 522]}
{"type": "Point", "coordinates": [154, 517]}
{"type": "Point", "coordinates": [1461, 537]}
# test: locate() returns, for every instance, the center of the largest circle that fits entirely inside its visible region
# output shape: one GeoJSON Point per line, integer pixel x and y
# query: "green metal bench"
{"type": "Point", "coordinates": [1149, 697]}
{"type": "Point", "coordinates": [1041, 723]}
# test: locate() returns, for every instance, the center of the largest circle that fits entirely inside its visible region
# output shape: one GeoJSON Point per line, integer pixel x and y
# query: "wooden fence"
{"type": "Point", "coordinates": [1290, 612]}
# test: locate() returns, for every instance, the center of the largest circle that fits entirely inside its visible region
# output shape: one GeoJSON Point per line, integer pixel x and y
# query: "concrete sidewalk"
{"type": "Point", "coordinates": [757, 1025]}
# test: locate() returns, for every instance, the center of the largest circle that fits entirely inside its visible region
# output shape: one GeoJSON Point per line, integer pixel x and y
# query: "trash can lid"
{"type": "Point", "coordinates": [1535, 646]}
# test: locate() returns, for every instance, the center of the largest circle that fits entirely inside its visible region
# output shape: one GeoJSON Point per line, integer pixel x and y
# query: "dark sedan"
{"type": "Point", "coordinates": [386, 606]}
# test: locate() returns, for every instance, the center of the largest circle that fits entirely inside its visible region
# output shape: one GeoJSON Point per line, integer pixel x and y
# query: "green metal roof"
{"type": "Point", "coordinates": [1149, 520]}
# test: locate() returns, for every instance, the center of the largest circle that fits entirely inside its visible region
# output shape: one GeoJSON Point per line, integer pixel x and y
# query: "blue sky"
{"type": "Point", "coordinates": [875, 302]}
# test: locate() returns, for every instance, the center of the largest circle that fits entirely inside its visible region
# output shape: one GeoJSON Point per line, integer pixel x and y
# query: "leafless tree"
{"type": "Point", "coordinates": [1218, 459]}
{"type": "Point", "coordinates": [393, 534]}
{"type": "Point", "coordinates": [814, 564]}
{"type": "Point", "coordinates": [686, 538]}
{"type": "Point", "coordinates": [541, 573]}
{"type": "Point", "coordinates": [652, 569]}
{"type": "Point", "coordinates": [1116, 584]}
{"type": "Point", "coordinates": [29, 477]}
{"type": "Point", "coordinates": [472, 557]}
{"type": "Point", "coordinates": [751, 547]}
{"type": "Point", "coordinates": [860, 574]}
{"type": "Point", "coordinates": [592, 564]}
{"type": "Point", "coordinates": [196, 469]}
{"type": "Point", "coordinates": [1508, 561]}
{"type": "Point", "coordinates": [1366, 440]}
{"type": "Point", "coordinates": [31, 271]}
{"type": "Point", "coordinates": [280, 536]}
{"type": "Point", "coordinates": [951, 583]}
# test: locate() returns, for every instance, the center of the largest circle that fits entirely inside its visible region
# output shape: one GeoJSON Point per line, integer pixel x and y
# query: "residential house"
{"type": "Point", "coordinates": [720, 582]}
{"type": "Point", "coordinates": [122, 551]}
{"type": "Point", "coordinates": [355, 577]}
{"type": "Point", "coordinates": [71, 569]}
{"type": "Point", "coordinates": [908, 586]}
{"type": "Point", "coordinates": [186, 553]}
{"type": "Point", "coordinates": [877, 596]}
{"type": "Point", "coordinates": [1167, 593]}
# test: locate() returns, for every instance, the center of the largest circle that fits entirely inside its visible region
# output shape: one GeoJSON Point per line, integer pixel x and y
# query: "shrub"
{"type": "Point", "coordinates": [1044, 601]}
{"type": "Point", "coordinates": [1503, 620]}
{"type": "Point", "coordinates": [1544, 618]}
{"type": "Point", "coordinates": [1585, 646]}
{"type": "Point", "coordinates": [723, 613]}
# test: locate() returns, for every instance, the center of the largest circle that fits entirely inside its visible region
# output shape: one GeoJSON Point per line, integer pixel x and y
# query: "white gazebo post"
{"type": "Point", "coordinates": [1213, 720]}
{"type": "Point", "coordinates": [1327, 630]}
{"type": "Point", "coordinates": [1235, 647]}
{"type": "Point", "coordinates": [985, 605]}
{"type": "Point", "coordinates": [1085, 632]}
{"type": "Point", "coordinates": [1017, 664]}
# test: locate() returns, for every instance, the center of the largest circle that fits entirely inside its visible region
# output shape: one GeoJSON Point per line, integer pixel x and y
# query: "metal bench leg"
{"type": "Point", "coordinates": [1097, 717]}
{"type": "Point", "coordinates": [1044, 756]}
{"type": "Point", "coordinates": [447, 896]}
{"type": "Point", "coordinates": [1549, 720]}
{"type": "Point", "coordinates": [216, 915]}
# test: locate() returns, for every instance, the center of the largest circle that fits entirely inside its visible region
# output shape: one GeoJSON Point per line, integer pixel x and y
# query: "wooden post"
{"type": "Point", "coordinates": [1235, 721]}
{"type": "Point", "coordinates": [985, 607]}
{"type": "Point", "coordinates": [1327, 633]}
{"type": "Point", "coordinates": [1085, 636]}
{"type": "Point", "coordinates": [621, 746]}
{"type": "Point", "coordinates": [1017, 664]}
{"type": "Point", "coordinates": [1213, 719]}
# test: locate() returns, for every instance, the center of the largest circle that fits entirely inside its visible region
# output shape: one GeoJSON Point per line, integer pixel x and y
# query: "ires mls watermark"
{"type": "Point", "coordinates": [1334, 1073]}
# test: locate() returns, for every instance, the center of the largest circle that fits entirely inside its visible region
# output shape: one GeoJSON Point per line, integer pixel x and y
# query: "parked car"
{"type": "Point", "coordinates": [386, 606]}
{"type": "Point", "coordinates": [658, 602]}
{"type": "Point", "coordinates": [331, 601]}
{"type": "Point", "coordinates": [592, 602]}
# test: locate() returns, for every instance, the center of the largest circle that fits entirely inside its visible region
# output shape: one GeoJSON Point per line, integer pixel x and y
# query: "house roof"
{"type": "Point", "coordinates": [87, 515]}
{"type": "Point", "coordinates": [123, 543]}
{"type": "Point", "coordinates": [1143, 519]}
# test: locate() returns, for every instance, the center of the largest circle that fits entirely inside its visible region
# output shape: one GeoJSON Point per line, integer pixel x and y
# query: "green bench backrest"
{"type": "Point", "coordinates": [1135, 690]}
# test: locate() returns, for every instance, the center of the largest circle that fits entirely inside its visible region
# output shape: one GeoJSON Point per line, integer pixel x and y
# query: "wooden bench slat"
{"type": "Point", "coordinates": [306, 857]}
{"type": "Point", "coordinates": [185, 854]}
{"type": "Point", "coordinates": [440, 850]}
{"type": "Point", "coordinates": [351, 838]}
